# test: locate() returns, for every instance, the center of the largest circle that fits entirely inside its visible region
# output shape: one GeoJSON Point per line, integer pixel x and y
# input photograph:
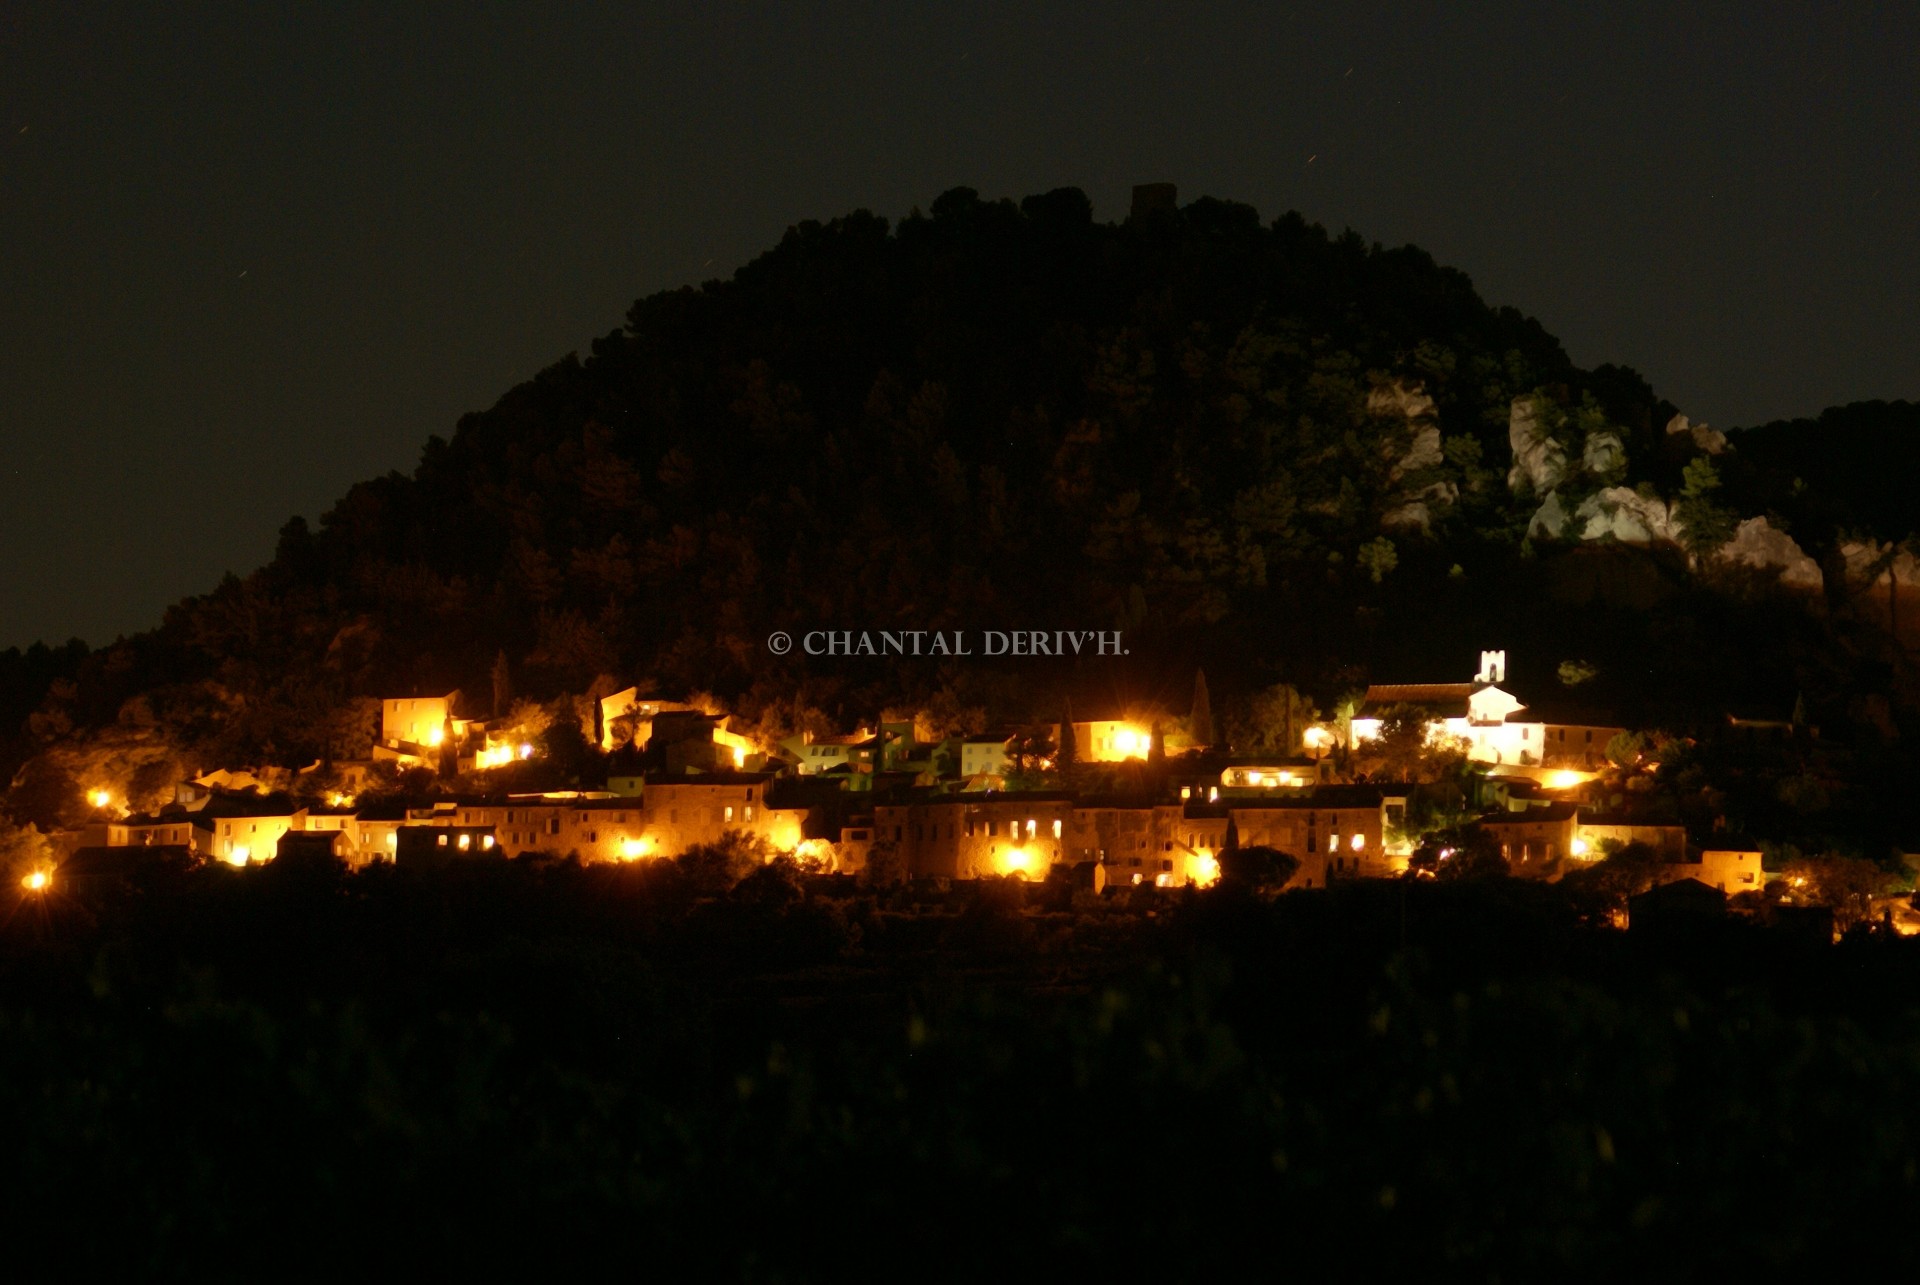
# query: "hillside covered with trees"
{"type": "Point", "coordinates": [1281, 454]}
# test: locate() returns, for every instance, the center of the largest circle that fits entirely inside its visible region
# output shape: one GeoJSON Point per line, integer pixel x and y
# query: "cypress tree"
{"type": "Point", "coordinates": [1200, 722]}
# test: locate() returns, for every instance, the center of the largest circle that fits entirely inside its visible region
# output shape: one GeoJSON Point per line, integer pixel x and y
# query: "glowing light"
{"type": "Point", "coordinates": [339, 800]}
{"type": "Point", "coordinates": [1213, 794]}
{"type": "Point", "coordinates": [99, 798]}
{"type": "Point", "coordinates": [526, 751]}
{"type": "Point", "coordinates": [36, 881]}
{"type": "Point", "coordinates": [1126, 741]}
{"type": "Point", "coordinates": [1315, 737]}
{"type": "Point", "coordinates": [1017, 861]}
{"type": "Point", "coordinates": [634, 849]}
{"type": "Point", "coordinates": [486, 842]}
{"type": "Point", "coordinates": [1056, 827]}
{"type": "Point", "coordinates": [1580, 847]}
{"type": "Point", "coordinates": [436, 736]}
{"type": "Point", "coordinates": [466, 841]}
{"type": "Point", "coordinates": [1565, 778]}
{"type": "Point", "coordinates": [739, 757]}
{"type": "Point", "coordinates": [1206, 869]}
{"type": "Point", "coordinates": [240, 855]}
{"type": "Point", "coordinates": [1359, 842]}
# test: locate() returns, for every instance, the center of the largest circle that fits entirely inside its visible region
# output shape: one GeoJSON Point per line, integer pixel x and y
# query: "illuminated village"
{"type": "Point", "coordinates": [1138, 801]}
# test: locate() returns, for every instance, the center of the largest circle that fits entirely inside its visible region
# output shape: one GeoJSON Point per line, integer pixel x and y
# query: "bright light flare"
{"type": "Point", "coordinates": [99, 798]}
{"type": "Point", "coordinates": [37, 881]}
{"type": "Point", "coordinates": [1016, 861]}
{"type": "Point", "coordinates": [1580, 848]}
{"type": "Point", "coordinates": [240, 855]}
{"type": "Point", "coordinates": [1206, 869]}
{"type": "Point", "coordinates": [437, 736]}
{"type": "Point", "coordinates": [635, 849]}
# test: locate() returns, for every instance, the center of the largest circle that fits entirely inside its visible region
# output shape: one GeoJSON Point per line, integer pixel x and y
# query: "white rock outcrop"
{"type": "Point", "coordinates": [1757, 544]}
{"type": "Point", "coordinates": [1710, 440]}
{"type": "Point", "coordinates": [1423, 452]}
{"type": "Point", "coordinates": [1410, 404]}
{"type": "Point", "coordinates": [1401, 399]}
{"type": "Point", "coordinates": [1539, 462]}
{"type": "Point", "coordinates": [1417, 512]}
{"type": "Point", "coordinates": [1604, 452]}
{"type": "Point", "coordinates": [1867, 561]}
{"type": "Point", "coordinates": [1550, 519]}
{"type": "Point", "coordinates": [1628, 516]}
{"type": "Point", "coordinates": [1419, 450]}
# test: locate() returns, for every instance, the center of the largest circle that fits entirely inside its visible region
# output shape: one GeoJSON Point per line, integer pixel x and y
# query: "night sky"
{"type": "Point", "coordinates": [251, 254]}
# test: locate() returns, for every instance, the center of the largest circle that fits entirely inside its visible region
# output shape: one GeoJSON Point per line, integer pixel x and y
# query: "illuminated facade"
{"type": "Point", "coordinates": [1335, 831]}
{"type": "Point", "coordinates": [1488, 723]}
{"type": "Point", "coordinates": [1111, 741]}
{"type": "Point", "coordinates": [1536, 841]}
{"type": "Point", "coordinates": [414, 724]}
{"type": "Point", "coordinates": [626, 717]}
{"type": "Point", "coordinates": [971, 836]}
{"type": "Point", "coordinates": [665, 819]}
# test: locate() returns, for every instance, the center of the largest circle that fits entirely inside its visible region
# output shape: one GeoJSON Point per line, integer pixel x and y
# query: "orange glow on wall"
{"type": "Point", "coordinates": [1206, 869]}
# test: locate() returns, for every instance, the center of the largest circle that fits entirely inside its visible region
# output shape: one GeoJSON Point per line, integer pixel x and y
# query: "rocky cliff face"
{"type": "Point", "coordinates": [1416, 439]}
{"type": "Point", "coordinates": [1883, 586]}
{"type": "Point", "coordinates": [1539, 460]}
{"type": "Point", "coordinates": [1710, 440]}
{"type": "Point", "coordinates": [1542, 467]}
{"type": "Point", "coordinates": [1756, 543]}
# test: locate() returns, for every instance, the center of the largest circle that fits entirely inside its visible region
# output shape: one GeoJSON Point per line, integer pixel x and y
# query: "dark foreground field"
{"type": "Point", "coordinates": [512, 1068]}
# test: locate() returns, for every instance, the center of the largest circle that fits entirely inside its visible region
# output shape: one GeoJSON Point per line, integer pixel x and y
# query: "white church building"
{"type": "Point", "coordinates": [1490, 723]}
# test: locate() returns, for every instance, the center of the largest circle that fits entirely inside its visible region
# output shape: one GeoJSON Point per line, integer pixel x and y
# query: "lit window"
{"type": "Point", "coordinates": [443, 840]}
{"type": "Point", "coordinates": [466, 841]}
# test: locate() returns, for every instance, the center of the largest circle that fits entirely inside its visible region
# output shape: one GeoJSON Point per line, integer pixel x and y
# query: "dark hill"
{"type": "Point", "coordinates": [1201, 429]}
